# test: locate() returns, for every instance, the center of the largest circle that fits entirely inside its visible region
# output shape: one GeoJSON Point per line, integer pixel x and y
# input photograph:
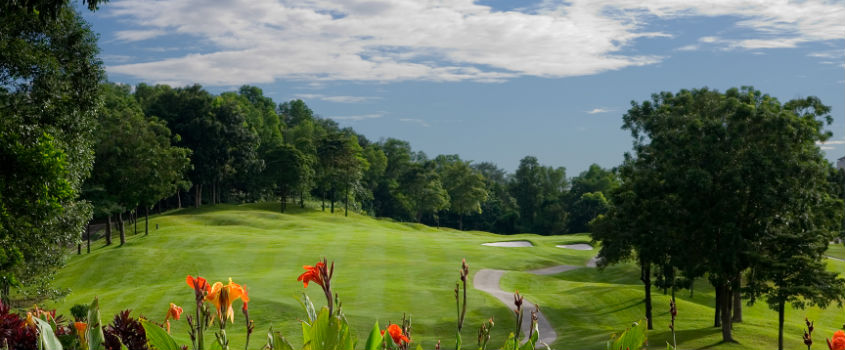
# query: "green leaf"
{"type": "Point", "coordinates": [419, 347]}
{"type": "Point", "coordinates": [512, 343]}
{"type": "Point", "coordinates": [632, 338]}
{"type": "Point", "coordinates": [46, 338]}
{"type": "Point", "coordinates": [280, 343]}
{"type": "Point", "coordinates": [94, 333]}
{"type": "Point", "coordinates": [375, 338]}
{"type": "Point", "coordinates": [157, 337]}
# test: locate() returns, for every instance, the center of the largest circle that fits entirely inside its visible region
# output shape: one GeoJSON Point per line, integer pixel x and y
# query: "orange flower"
{"type": "Point", "coordinates": [312, 274]}
{"type": "Point", "coordinates": [838, 342]}
{"type": "Point", "coordinates": [30, 322]}
{"type": "Point", "coordinates": [223, 296]}
{"type": "Point", "coordinates": [80, 327]}
{"type": "Point", "coordinates": [396, 333]}
{"type": "Point", "coordinates": [199, 284]}
{"type": "Point", "coordinates": [173, 312]}
{"type": "Point", "coordinates": [245, 298]}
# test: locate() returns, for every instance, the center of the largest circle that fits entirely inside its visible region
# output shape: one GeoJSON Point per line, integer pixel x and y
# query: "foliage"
{"type": "Point", "coordinates": [49, 77]}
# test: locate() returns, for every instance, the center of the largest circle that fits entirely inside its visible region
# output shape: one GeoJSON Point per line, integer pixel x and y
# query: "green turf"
{"type": "Point", "coordinates": [385, 269]}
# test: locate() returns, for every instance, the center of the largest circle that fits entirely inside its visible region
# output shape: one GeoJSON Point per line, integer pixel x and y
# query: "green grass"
{"type": "Point", "coordinates": [384, 269]}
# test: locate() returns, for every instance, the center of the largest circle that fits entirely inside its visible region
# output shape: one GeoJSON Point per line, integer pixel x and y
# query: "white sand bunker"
{"type": "Point", "coordinates": [511, 244]}
{"type": "Point", "coordinates": [579, 246]}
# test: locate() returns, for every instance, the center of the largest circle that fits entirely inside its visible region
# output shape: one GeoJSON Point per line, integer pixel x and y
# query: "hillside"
{"type": "Point", "coordinates": [385, 269]}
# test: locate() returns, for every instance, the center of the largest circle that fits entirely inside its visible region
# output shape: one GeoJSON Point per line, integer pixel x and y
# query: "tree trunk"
{"type": "Point", "coordinates": [178, 199]}
{"type": "Point", "coordinates": [88, 236]}
{"type": "Point", "coordinates": [332, 200]}
{"type": "Point", "coordinates": [737, 306]}
{"type": "Point", "coordinates": [108, 229]}
{"type": "Point", "coordinates": [780, 324]}
{"type": "Point", "coordinates": [284, 201]}
{"type": "Point", "coordinates": [323, 200]}
{"type": "Point", "coordinates": [460, 222]}
{"type": "Point", "coordinates": [122, 230]}
{"type": "Point", "coordinates": [302, 199]}
{"type": "Point", "coordinates": [717, 318]}
{"type": "Point", "coordinates": [346, 201]}
{"type": "Point", "coordinates": [726, 311]}
{"type": "Point", "coordinates": [645, 276]}
{"type": "Point", "coordinates": [197, 195]}
{"type": "Point", "coordinates": [146, 220]}
{"type": "Point", "coordinates": [135, 220]}
{"type": "Point", "coordinates": [79, 248]}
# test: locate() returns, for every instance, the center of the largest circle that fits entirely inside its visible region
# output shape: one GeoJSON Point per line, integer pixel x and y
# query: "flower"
{"type": "Point", "coordinates": [80, 327]}
{"type": "Point", "coordinates": [838, 342]}
{"type": "Point", "coordinates": [223, 296]}
{"type": "Point", "coordinates": [396, 333]}
{"type": "Point", "coordinates": [199, 284]}
{"type": "Point", "coordinates": [29, 320]}
{"type": "Point", "coordinates": [312, 274]}
{"type": "Point", "coordinates": [245, 298]}
{"type": "Point", "coordinates": [173, 312]}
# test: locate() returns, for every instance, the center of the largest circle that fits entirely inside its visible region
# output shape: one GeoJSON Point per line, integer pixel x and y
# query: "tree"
{"type": "Point", "coordinates": [423, 189]}
{"type": "Point", "coordinates": [525, 188]}
{"type": "Point", "coordinates": [49, 77]}
{"type": "Point", "coordinates": [705, 149]}
{"type": "Point", "coordinates": [289, 167]}
{"type": "Point", "coordinates": [585, 209]}
{"type": "Point", "coordinates": [465, 186]}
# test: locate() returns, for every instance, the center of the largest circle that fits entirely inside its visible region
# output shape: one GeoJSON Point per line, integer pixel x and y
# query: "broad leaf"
{"type": "Point", "coordinates": [157, 338]}
{"type": "Point", "coordinates": [375, 338]}
{"type": "Point", "coordinates": [46, 338]}
{"type": "Point", "coordinates": [94, 333]}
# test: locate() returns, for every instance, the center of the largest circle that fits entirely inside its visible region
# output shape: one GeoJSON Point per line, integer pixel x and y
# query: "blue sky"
{"type": "Point", "coordinates": [488, 80]}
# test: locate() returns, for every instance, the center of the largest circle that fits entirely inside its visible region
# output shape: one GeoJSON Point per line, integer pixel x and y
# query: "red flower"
{"type": "Point", "coordinates": [199, 284]}
{"type": "Point", "coordinates": [396, 333]}
{"type": "Point", "coordinates": [838, 342]}
{"type": "Point", "coordinates": [312, 274]}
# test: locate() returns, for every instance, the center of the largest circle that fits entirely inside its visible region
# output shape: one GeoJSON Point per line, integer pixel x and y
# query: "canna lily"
{"type": "Point", "coordinates": [245, 298]}
{"type": "Point", "coordinates": [30, 322]}
{"type": "Point", "coordinates": [396, 333]}
{"type": "Point", "coordinates": [80, 328]}
{"type": "Point", "coordinates": [312, 274]}
{"type": "Point", "coordinates": [172, 313]}
{"type": "Point", "coordinates": [199, 284]}
{"type": "Point", "coordinates": [838, 342]}
{"type": "Point", "coordinates": [223, 296]}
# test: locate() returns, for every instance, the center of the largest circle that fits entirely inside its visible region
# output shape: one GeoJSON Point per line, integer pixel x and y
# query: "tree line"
{"type": "Point", "coordinates": [183, 146]}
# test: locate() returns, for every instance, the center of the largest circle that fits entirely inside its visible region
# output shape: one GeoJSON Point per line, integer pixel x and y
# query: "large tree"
{"type": "Point", "coordinates": [465, 186]}
{"type": "Point", "coordinates": [706, 150]}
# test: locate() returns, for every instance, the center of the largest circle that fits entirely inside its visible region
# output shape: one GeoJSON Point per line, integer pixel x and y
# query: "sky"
{"type": "Point", "coordinates": [489, 80]}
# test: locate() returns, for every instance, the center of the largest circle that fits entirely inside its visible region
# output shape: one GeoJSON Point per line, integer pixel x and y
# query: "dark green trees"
{"type": "Point", "coordinates": [697, 163]}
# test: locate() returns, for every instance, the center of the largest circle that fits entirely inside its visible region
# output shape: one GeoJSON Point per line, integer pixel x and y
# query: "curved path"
{"type": "Point", "coordinates": [487, 280]}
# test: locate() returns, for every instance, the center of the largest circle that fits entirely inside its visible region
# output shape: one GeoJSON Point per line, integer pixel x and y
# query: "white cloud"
{"type": "Point", "coordinates": [420, 122]}
{"type": "Point", "coordinates": [690, 47]}
{"type": "Point", "coordinates": [138, 35]}
{"type": "Point", "coordinates": [358, 117]}
{"type": "Point", "coordinates": [831, 144]}
{"type": "Point", "coordinates": [260, 41]}
{"type": "Point", "coordinates": [338, 99]}
{"type": "Point", "coordinates": [599, 110]}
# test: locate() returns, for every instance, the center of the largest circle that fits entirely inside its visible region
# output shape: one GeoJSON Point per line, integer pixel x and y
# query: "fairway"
{"type": "Point", "coordinates": [384, 269]}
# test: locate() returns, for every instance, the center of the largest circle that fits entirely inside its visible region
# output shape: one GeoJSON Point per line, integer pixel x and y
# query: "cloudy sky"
{"type": "Point", "coordinates": [489, 80]}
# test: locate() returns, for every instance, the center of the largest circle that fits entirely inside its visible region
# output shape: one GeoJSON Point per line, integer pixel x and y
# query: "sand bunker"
{"type": "Point", "coordinates": [579, 246]}
{"type": "Point", "coordinates": [510, 244]}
